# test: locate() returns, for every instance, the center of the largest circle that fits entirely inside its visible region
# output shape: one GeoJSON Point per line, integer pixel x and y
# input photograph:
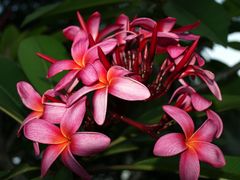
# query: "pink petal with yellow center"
{"type": "Point", "coordinates": [207, 131]}
{"type": "Point", "coordinates": [72, 118]}
{"type": "Point", "coordinates": [100, 105]}
{"type": "Point", "coordinates": [210, 154]}
{"type": "Point", "coordinates": [117, 71]}
{"type": "Point", "coordinates": [189, 167]}
{"type": "Point", "coordinates": [70, 162]}
{"type": "Point", "coordinates": [89, 143]}
{"type": "Point", "coordinates": [169, 145]}
{"type": "Point", "coordinates": [182, 118]}
{"type": "Point", "coordinates": [43, 132]}
{"type": "Point", "coordinates": [128, 89]}
{"type": "Point", "coordinates": [29, 96]}
{"type": "Point", "coordinates": [79, 47]}
{"type": "Point", "coordinates": [60, 66]}
{"type": "Point", "coordinates": [49, 156]}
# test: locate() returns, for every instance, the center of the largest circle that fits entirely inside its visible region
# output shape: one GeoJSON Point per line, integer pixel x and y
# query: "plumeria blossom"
{"type": "Point", "coordinates": [189, 97]}
{"type": "Point", "coordinates": [32, 100]}
{"type": "Point", "coordinates": [66, 141]}
{"type": "Point", "coordinates": [81, 65]}
{"type": "Point", "coordinates": [193, 146]}
{"type": "Point", "coordinates": [115, 82]}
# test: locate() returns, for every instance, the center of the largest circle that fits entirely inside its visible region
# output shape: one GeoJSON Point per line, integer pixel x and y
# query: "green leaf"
{"type": "Point", "coordinates": [234, 44]}
{"type": "Point", "coordinates": [36, 68]}
{"type": "Point", "coordinates": [229, 102]}
{"type": "Point", "coordinates": [40, 12]}
{"type": "Point", "coordinates": [230, 171]}
{"type": "Point", "coordinates": [233, 7]}
{"type": "Point", "coordinates": [214, 19]}
{"type": "Point", "coordinates": [19, 170]}
{"type": "Point", "coordinates": [10, 103]}
{"type": "Point", "coordinates": [65, 7]}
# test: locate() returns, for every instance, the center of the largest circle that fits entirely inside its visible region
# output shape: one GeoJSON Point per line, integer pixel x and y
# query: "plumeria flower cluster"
{"type": "Point", "coordinates": [119, 60]}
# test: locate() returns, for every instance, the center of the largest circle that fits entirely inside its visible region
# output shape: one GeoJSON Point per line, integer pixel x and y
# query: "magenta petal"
{"type": "Point", "coordinates": [210, 154]}
{"type": "Point", "coordinates": [79, 47]}
{"type": "Point", "coordinates": [117, 71]}
{"type": "Point", "coordinates": [92, 53]}
{"type": "Point", "coordinates": [81, 92]}
{"type": "Point", "coordinates": [70, 162]}
{"type": "Point", "coordinates": [207, 131]}
{"type": "Point", "coordinates": [60, 66]}
{"type": "Point", "coordinates": [70, 32]}
{"type": "Point", "coordinates": [93, 24]}
{"type": "Point", "coordinates": [73, 117]}
{"type": "Point", "coordinates": [100, 105]}
{"type": "Point", "coordinates": [88, 75]}
{"type": "Point", "coordinates": [29, 96]}
{"type": "Point", "coordinates": [33, 115]}
{"type": "Point", "coordinates": [107, 30]}
{"type": "Point", "coordinates": [128, 89]}
{"type": "Point", "coordinates": [182, 90]}
{"type": "Point", "coordinates": [89, 143]}
{"type": "Point", "coordinates": [43, 132]}
{"type": "Point", "coordinates": [182, 118]}
{"type": "Point", "coordinates": [175, 51]}
{"type": "Point", "coordinates": [146, 23]}
{"type": "Point", "coordinates": [200, 103]}
{"type": "Point", "coordinates": [36, 148]}
{"type": "Point", "coordinates": [189, 167]}
{"type": "Point", "coordinates": [49, 156]}
{"type": "Point", "coordinates": [53, 112]}
{"type": "Point", "coordinates": [169, 145]}
{"type": "Point", "coordinates": [167, 24]}
{"type": "Point", "coordinates": [67, 80]}
{"type": "Point", "coordinates": [217, 120]}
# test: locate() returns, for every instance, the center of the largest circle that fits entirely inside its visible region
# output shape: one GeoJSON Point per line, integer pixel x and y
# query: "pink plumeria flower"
{"type": "Point", "coordinates": [191, 98]}
{"type": "Point", "coordinates": [66, 141]}
{"type": "Point", "coordinates": [32, 100]}
{"type": "Point", "coordinates": [81, 65]}
{"type": "Point", "coordinates": [193, 146]}
{"type": "Point", "coordinates": [92, 27]}
{"type": "Point", "coordinates": [115, 82]}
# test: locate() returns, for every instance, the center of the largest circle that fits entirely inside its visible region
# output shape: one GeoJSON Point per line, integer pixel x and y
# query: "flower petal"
{"type": "Point", "coordinates": [175, 51]}
{"type": "Point", "coordinates": [92, 53]}
{"type": "Point", "coordinates": [88, 75]}
{"type": "Point", "coordinates": [73, 116]}
{"type": "Point", "coordinates": [49, 156]}
{"type": "Point", "coordinates": [79, 47]}
{"type": "Point", "coordinates": [128, 89]}
{"type": "Point", "coordinates": [66, 81]}
{"type": "Point", "coordinates": [182, 118]}
{"type": "Point", "coordinates": [29, 96]}
{"type": "Point", "coordinates": [207, 131]}
{"type": "Point", "coordinates": [169, 145]}
{"type": "Point", "coordinates": [117, 71]}
{"type": "Point", "coordinates": [89, 143]}
{"type": "Point", "coordinates": [200, 103]}
{"type": "Point", "coordinates": [43, 132]}
{"type": "Point", "coordinates": [210, 154]}
{"type": "Point", "coordinates": [108, 30]}
{"type": "Point", "coordinates": [53, 112]}
{"type": "Point", "coordinates": [146, 23]}
{"type": "Point", "coordinates": [70, 32]}
{"type": "Point", "coordinates": [217, 120]}
{"type": "Point", "coordinates": [33, 115]}
{"type": "Point", "coordinates": [81, 92]}
{"type": "Point", "coordinates": [60, 66]}
{"type": "Point", "coordinates": [70, 162]}
{"type": "Point", "coordinates": [189, 167]}
{"type": "Point", "coordinates": [100, 99]}
{"type": "Point", "coordinates": [166, 24]}
{"type": "Point", "coordinates": [93, 24]}
{"type": "Point", "coordinates": [36, 148]}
